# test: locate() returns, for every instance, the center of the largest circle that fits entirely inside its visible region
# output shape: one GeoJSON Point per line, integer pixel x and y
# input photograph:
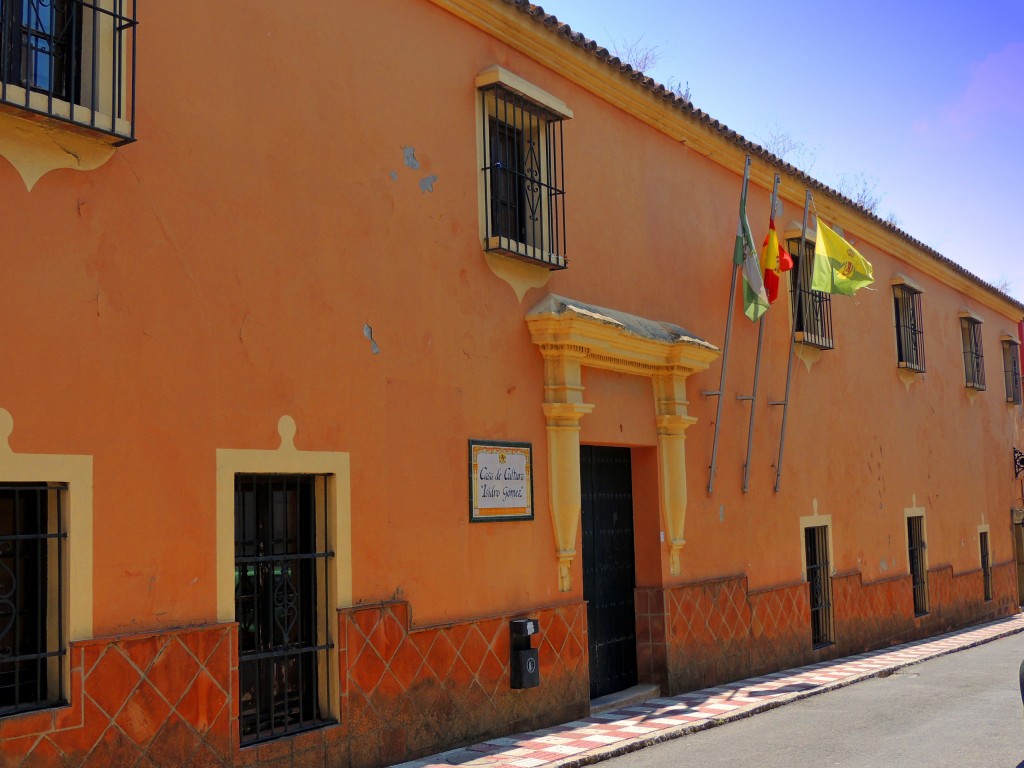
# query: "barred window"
{"type": "Point", "coordinates": [819, 580]}
{"type": "Point", "coordinates": [281, 603]}
{"type": "Point", "coordinates": [812, 310]}
{"type": "Point", "coordinates": [1011, 371]}
{"type": "Point", "coordinates": [41, 46]}
{"type": "Point", "coordinates": [909, 329]}
{"type": "Point", "coordinates": [32, 561]}
{"type": "Point", "coordinates": [986, 565]}
{"type": "Point", "coordinates": [918, 563]}
{"type": "Point", "coordinates": [974, 355]}
{"type": "Point", "coordinates": [523, 177]}
{"type": "Point", "coordinates": [72, 60]}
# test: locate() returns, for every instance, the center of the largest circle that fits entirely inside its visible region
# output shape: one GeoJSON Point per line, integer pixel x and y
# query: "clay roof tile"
{"type": "Point", "coordinates": [603, 55]}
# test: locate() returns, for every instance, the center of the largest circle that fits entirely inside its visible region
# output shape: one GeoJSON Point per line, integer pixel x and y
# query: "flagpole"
{"type": "Point", "coordinates": [725, 349]}
{"type": "Point", "coordinates": [757, 367]}
{"type": "Point", "coordinates": [792, 350]}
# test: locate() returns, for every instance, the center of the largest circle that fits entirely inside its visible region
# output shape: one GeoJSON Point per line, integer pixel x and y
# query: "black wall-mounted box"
{"type": "Point", "coordinates": [523, 627]}
{"type": "Point", "coordinates": [524, 667]}
{"type": "Point", "coordinates": [525, 672]}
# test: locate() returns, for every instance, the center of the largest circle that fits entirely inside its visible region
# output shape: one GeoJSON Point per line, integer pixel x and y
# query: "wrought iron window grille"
{"type": "Point", "coordinates": [523, 178]}
{"type": "Point", "coordinates": [819, 581]}
{"type": "Point", "coordinates": [918, 570]}
{"type": "Point", "coordinates": [974, 354]}
{"type": "Point", "coordinates": [812, 310]}
{"type": "Point", "coordinates": [909, 329]}
{"type": "Point", "coordinates": [281, 604]}
{"type": "Point", "coordinates": [32, 558]}
{"type": "Point", "coordinates": [986, 565]}
{"type": "Point", "coordinates": [1011, 371]}
{"type": "Point", "coordinates": [72, 61]}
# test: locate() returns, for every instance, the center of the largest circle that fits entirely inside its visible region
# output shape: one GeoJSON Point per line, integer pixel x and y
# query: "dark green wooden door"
{"type": "Point", "coordinates": [609, 567]}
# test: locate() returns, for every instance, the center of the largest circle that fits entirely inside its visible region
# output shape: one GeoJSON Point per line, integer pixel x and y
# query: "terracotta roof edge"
{"type": "Point", "coordinates": [603, 55]}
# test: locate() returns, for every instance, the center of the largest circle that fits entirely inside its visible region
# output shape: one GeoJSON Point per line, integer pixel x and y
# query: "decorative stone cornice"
{"type": "Point", "coordinates": [611, 340]}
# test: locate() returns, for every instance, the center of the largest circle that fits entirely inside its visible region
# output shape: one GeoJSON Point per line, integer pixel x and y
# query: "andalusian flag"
{"type": "Point", "coordinates": [774, 260]}
{"type": "Point", "coordinates": [838, 267]}
{"type": "Point", "coordinates": [755, 298]}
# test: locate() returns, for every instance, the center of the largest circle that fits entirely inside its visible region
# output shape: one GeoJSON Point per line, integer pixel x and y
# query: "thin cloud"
{"type": "Point", "coordinates": [995, 92]}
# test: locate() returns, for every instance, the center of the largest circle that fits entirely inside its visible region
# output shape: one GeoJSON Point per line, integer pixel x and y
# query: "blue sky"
{"type": "Point", "coordinates": [927, 100]}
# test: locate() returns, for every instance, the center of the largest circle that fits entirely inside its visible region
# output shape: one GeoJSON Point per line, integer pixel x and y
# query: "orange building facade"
{"type": "Point", "coordinates": [362, 381]}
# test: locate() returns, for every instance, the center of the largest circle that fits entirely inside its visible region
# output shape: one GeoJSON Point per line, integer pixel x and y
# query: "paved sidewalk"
{"type": "Point", "coordinates": [614, 733]}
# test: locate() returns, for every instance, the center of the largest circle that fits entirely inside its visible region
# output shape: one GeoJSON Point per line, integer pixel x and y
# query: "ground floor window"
{"type": "Point", "coordinates": [918, 569]}
{"type": "Point", "coordinates": [32, 555]}
{"type": "Point", "coordinates": [281, 603]}
{"type": "Point", "coordinates": [986, 564]}
{"type": "Point", "coordinates": [819, 579]}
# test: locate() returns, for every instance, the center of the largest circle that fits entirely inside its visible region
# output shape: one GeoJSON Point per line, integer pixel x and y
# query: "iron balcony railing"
{"type": "Point", "coordinates": [909, 329]}
{"type": "Point", "coordinates": [1011, 371]}
{"type": "Point", "coordinates": [974, 357]}
{"type": "Point", "coordinates": [812, 310]}
{"type": "Point", "coordinates": [523, 178]}
{"type": "Point", "coordinates": [72, 61]}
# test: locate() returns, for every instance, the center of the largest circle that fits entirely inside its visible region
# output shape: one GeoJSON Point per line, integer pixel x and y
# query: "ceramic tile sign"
{"type": "Point", "coordinates": [500, 481]}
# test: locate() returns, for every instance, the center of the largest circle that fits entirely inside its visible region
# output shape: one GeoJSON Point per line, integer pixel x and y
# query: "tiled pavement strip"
{"type": "Point", "coordinates": [633, 727]}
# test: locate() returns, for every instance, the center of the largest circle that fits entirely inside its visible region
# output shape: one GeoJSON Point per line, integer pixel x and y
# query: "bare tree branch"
{"type": "Point", "coordinates": [785, 146]}
{"type": "Point", "coordinates": [638, 54]}
{"type": "Point", "coordinates": [861, 190]}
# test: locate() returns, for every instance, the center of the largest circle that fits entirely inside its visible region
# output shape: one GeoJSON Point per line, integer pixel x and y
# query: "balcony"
{"type": "Point", "coordinates": [70, 63]}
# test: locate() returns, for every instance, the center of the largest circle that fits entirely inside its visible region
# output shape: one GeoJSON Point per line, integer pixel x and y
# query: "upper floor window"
{"type": "Point", "coordinates": [32, 609]}
{"type": "Point", "coordinates": [909, 328]}
{"type": "Point", "coordinates": [812, 310]}
{"type": "Point", "coordinates": [1011, 371]}
{"type": "Point", "coordinates": [524, 200]}
{"type": "Point", "coordinates": [72, 60]}
{"type": "Point", "coordinates": [974, 356]}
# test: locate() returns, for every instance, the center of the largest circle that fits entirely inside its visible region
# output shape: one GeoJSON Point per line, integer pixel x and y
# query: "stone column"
{"type": "Point", "coordinates": [563, 408]}
{"type": "Point", "coordinates": [672, 420]}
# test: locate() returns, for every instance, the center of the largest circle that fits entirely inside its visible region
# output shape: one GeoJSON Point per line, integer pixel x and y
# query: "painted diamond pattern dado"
{"type": "Point", "coordinates": [868, 614]}
{"type": "Point", "coordinates": [415, 690]}
{"type": "Point", "coordinates": [157, 699]}
{"type": "Point", "coordinates": [699, 635]}
{"type": "Point", "coordinates": [165, 699]}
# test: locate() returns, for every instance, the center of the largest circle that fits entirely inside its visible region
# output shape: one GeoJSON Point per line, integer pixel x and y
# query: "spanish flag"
{"type": "Point", "coordinates": [774, 260]}
{"type": "Point", "coordinates": [838, 267]}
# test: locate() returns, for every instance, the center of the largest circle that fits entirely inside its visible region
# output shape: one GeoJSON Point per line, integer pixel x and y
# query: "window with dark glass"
{"type": "Point", "coordinates": [918, 571]}
{"type": "Point", "coordinates": [909, 330]}
{"type": "Point", "coordinates": [812, 310]}
{"type": "Point", "coordinates": [1011, 371]}
{"type": "Point", "coordinates": [281, 603]}
{"type": "Point", "coordinates": [32, 554]}
{"type": "Point", "coordinates": [819, 580]}
{"type": "Point", "coordinates": [42, 44]}
{"type": "Point", "coordinates": [57, 54]}
{"type": "Point", "coordinates": [974, 356]}
{"type": "Point", "coordinates": [523, 173]}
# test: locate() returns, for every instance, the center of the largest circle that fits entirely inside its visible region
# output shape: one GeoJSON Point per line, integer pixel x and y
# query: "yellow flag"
{"type": "Point", "coordinates": [838, 267]}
